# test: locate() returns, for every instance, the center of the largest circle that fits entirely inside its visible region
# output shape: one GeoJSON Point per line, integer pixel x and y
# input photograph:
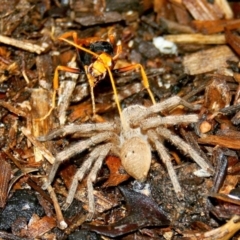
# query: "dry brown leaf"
{"type": "Point", "coordinates": [117, 173]}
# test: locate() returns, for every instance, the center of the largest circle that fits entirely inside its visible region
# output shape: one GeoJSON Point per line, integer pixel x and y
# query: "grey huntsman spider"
{"type": "Point", "coordinates": [132, 140]}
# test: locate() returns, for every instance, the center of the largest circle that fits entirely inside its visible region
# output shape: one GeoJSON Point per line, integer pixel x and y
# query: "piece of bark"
{"type": "Point", "coordinates": [18, 10]}
{"type": "Point", "coordinates": [210, 27]}
{"type": "Point", "coordinates": [174, 27]}
{"type": "Point", "coordinates": [182, 15]}
{"type": "Point", "coordinates": [133, 5]}
{"type": "Point", "coordinates": [233, 40]}
{"type": "Point", "coordinates": [40, 150]}
{"type": "Point", "coordinates": [40, 100]}
{"type": "Point", "coordinates": [5, 176]}
{"type": "Point", "coordinates": [202, 10]}
{"type": "Point", "coordinates": [105, 17]}
{"type": "Point", "coordinates": [225, 8]}
{"type": "Point", "coordinates": [40, 226]}
{"type": "Point", "coordinates": [224, 141]}
{"type": "Point", "coordinates": [25, 45]}
{"type": "Point", "coordinates": [217, 95]}
{"type": "Point", "coordinates": [208, 60]}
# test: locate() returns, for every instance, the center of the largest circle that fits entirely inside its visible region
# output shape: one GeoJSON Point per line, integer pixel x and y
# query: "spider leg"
{"type": "Point", "coordinates": [79, 175]}
{"type": "Point", "coordinates": [154, 122]}
{"type": "Point", "coordinates": [78, 147]}
{"type": "Point", "coordinates": [102, 153]}
{"type": "Point", "coordinates": [144, 77]}
{"type": "Point", "coordinates": [186, 148]}
{"type": "Point", "coordinates": [167, 161]}
{"type": "Point", "coordinates": [80, 129]}
{"type": "Point", "coordinates": [158, 107]}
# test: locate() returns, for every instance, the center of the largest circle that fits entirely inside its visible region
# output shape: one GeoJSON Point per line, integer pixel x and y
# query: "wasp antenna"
{"type": "Point", "coordinates": [78, 46]}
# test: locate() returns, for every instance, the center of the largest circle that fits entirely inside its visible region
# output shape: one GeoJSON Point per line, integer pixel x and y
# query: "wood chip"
{"type": "Point", "coordinates": [208, 60]}
{"type": "Point", "coordinates": [210, 27]}
{"type": "Point", "coordinates": [40, 227]}
{"type": "Point", "coordinates": [47, 154]}
{"type": "Point", "coordinates": [201, 9]}
{"type": "Point", "coordinates": [5, 176]}
{"type": "Point", "coordinates": [223, 141]}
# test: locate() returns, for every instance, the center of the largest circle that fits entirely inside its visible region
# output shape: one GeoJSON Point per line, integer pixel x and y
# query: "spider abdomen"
{"type": "Point", "coordinates": [136, 157]}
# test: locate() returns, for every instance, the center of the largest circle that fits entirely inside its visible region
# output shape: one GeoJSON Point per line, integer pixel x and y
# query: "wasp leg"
{"type": "Point", "coordinates": [79, 41]}
{"type": "Point", "coordinates": [56, 85]}
{"type": "Point", "coordinates": [71, 34]}
{"type": "Point", "coordinates": [118, 50]}
{"type": "Point", "coordinates": [115, 95]}
{"type": "Point", "coordinates": [112, 35]}
{"type": "Point", "coordinates": [144, 77]}
{"type": "Point", "coordinates": [91, 79]}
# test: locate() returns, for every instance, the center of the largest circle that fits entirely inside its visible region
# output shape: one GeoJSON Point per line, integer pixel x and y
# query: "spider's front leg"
{"type": "Point", "coordinates": [76, 148]}
{"type": "Point", "coordinates": [167, 104]}
{"type": "Point", "coordinates": [98, 153]}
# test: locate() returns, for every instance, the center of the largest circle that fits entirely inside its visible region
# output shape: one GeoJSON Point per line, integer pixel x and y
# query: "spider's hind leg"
{"type": "Point", "coordinates": [167, 162]}
{"type": "Point", "coordinates": [102, 152]}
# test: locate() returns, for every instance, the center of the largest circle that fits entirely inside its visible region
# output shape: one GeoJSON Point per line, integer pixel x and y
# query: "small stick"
{"type": "Point", "coordinates": [60, 220]}
{"type": "Point", "coordinates": [38, 145]}
{"type": "Point", "coordinates": [197, 38]}
{"type": "Point", "coordinates": [23, 44]}
{"type": "Point", "coordinates": [13, 109]}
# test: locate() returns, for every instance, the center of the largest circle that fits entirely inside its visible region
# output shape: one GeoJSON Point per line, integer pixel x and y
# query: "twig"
{"type": "Point", "coordinates": [13, 109]}
{"type": "Point", "coordinates": [23, 44]}
{"type": "Point", "coordinates": [197, 38]}
{"type": "Point", "coordinates": [61, 222]}
{"type": "Point", "coordinates": [38, 145]}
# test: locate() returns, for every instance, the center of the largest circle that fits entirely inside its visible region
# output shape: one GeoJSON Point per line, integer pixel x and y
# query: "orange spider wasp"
{"type": "Point", "coordinates": [97, 57]}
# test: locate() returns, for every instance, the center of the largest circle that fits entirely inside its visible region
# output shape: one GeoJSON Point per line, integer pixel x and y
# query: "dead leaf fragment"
{"type": "Point", "coordinates": [142, 212]}
{"type": "Point", "coordinates": [117, 173]}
